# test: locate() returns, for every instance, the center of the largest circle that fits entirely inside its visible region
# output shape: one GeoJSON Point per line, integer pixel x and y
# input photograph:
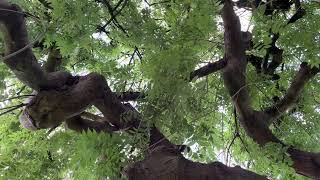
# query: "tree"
{"type": "Point", "coordinates": [135, 79]}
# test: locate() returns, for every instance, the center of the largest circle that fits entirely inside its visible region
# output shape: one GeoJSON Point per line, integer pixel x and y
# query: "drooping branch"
{"type": "Point", "coordinates": [303, 76]}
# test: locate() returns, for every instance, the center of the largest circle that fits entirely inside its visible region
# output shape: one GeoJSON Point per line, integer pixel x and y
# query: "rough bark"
{"type": "Point", "coordinates": [62, 97]}
{"type": "Point", "coordinates": [165, 162]}
{"type": "Point", "coordinates": [18, 52]}
{"type": "Point", "coordinates": [255, 122]}
{"type": "Point", "coordinates": [80, 124]}
{"type": "Point", "coordinates": [24, 64]}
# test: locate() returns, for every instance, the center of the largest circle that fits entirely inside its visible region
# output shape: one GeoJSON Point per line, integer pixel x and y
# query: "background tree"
{"type": "Point", "coordinates": [138, 78]}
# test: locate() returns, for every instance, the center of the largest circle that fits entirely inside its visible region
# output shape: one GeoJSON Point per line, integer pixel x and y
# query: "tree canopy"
{"type": "Point", "coordinates": [160, 89]}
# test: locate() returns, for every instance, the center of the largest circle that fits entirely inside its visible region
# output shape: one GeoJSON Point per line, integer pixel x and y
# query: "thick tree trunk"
{"type": "Point", "coordinates": [167, 164]}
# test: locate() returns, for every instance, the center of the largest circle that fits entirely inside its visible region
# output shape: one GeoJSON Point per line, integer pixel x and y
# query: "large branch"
{"type": "Point", "coordinates": [165, 162]}
{"type": "Point", "coordinates": [303, 76]}
{"type": "Point", "coordinates": [198, 73]}
{"type": "Point", "coordinates": [18, 52]}
{"type": "Point", "coordinates": [208, 69]}
{"type": "Point", "coordinates": [23, 64]}
{"type": "Point", "coordinates": [234, 73]}
{"type": "Point", "coordinates": [163, 155]}
{"type": "Point", "coordinates": [254, 122]}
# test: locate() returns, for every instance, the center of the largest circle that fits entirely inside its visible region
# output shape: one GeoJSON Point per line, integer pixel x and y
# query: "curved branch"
{"type": "Point", "coordinates": [165, 163]}
{"type": "Point", "coordinates": [22, 61]}
{"type": "Point", "coordinates": [23, 64]}
{"type": "Point", "coordinates": [303, 76]}
{"type": "Point", "coordinates": [80, 124]}
{"type": "Point", "coordinates": [254, 122]}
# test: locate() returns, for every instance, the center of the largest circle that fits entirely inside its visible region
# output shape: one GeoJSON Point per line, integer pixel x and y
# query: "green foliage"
{"type": "Point", "coordinates": [154, 53]}
{"type": "Point", "coordinates": [35, 155]}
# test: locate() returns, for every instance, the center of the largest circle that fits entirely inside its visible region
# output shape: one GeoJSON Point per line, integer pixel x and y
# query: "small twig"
{"type": "Point", "coordinates": [20, 91]}
{"type": "Point", "coordinates": [17, 97]}
{"type": "Point", "coordinates": [8, 107]}
{"type": "Point", "coordinates": [229, 147]}
{"type": "Point", "coordinates": [12, 108]}
{"type": "Point", "coordinates": [138, 53]}
{"type": "Point", "coordinates": [156, 3]}
{"type": "Point", "coordinates": [30, 45]}
{"type": "Point", "coordinates": [113, 14]}
{"type": "Point", "coordinates": [18, 12]}
{"type": "Point", "coordinates": [117, 5]}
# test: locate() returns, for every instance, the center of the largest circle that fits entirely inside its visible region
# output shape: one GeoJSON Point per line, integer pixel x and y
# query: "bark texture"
{"type": "Point", "coordinates": [165, 163]}
{"type": "Point", "coordinates": [63, 97]}
{"type": "Point", "coordinates": [256, 122]}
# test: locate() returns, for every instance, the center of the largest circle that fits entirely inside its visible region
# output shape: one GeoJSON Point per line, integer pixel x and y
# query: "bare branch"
{"type": "Point", "coordinates": [208, 69]}
{"type": "Point", "coordinates": [17, 97]}
{"type": "Point", "coordinates": [198, 73]}
{"type": "Point", "coordinates": [113, 13]}
{"type": "Point", "coordinates": [11, 108]}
